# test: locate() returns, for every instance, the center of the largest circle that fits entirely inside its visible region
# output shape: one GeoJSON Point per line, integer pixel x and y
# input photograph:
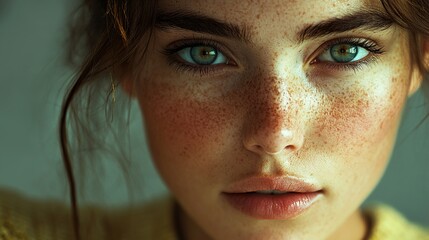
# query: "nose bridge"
{"type": "Point", "coordinates": [278, 89]}
{"type": "Point", "coordinates": [274, 116]}
{"type": "Point", "coordinates": [274, 107]}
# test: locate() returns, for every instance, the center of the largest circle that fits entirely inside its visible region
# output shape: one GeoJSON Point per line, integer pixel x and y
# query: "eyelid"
{"type": "Point", "coordinates": [372, 46]}
{"type": "Point", "coordinates": [179, 45]}
{"type": "Point", "coordinates": [180, 65]}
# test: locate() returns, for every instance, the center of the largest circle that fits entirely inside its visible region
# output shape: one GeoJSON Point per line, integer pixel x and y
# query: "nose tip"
{"type": "Point", "coordinates": [271, 151]}
{"type": "Point", "coordinates": [274, 142]}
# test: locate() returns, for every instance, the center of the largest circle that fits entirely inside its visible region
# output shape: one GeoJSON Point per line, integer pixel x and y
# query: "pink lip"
{"type": "Point", "coordinates": [299, 196]}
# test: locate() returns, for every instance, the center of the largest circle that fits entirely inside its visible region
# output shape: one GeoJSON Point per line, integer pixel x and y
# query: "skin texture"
{"type": "Point", "coordinates": [273, 113]}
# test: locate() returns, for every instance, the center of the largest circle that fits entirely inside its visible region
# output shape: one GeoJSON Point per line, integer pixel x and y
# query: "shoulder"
{"type": "Point", "coordinates": [389, 224]}
{"type": "Point", "coordinates": [22, 218]}
{"type": "Point", "coordinates": [153, 220]}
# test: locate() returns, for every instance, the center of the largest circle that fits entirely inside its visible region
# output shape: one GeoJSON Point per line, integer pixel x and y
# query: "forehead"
{"type": "Point", "coordinates": [264, 14]}
{"type": "Point", "coordinates": [273, 20]}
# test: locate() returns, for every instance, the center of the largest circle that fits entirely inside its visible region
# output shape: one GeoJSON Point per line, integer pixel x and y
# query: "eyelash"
{"type": "Point", "coordinates": [181, 66]}
{"type": "Point", "coordinates": [373, 48]}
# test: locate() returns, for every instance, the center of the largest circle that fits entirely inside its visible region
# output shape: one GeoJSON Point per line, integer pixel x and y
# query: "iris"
{"type": "Point", "coordinates": [203, 55]}
{"type": "Point", "coordinates": [344, 53]}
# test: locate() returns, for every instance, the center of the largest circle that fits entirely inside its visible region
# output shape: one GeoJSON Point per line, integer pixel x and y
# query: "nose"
{"type": "Point", "coordinates": [275, 123]}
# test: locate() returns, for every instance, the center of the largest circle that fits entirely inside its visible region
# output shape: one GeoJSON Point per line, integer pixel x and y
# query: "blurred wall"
{"type": "Point", "coordinates": [32, 79]}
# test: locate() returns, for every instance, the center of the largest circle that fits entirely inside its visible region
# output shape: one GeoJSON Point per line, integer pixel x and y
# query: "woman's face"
{"type": "Point", "coordinates": [294, 96]}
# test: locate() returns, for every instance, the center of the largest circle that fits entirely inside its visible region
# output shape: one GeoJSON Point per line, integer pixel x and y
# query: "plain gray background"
{"type": "Point", "coordinates": [32, 81]}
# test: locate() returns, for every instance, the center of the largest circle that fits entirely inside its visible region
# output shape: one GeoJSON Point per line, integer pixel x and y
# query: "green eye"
{"type": "Point", "coordinates": [343, 53]}
{"type": "Point", "coordinates": [202, 55]}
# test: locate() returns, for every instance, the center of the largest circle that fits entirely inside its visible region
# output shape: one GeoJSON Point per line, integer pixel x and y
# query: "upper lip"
{"type": "Point", "coordinates": [264, 183]}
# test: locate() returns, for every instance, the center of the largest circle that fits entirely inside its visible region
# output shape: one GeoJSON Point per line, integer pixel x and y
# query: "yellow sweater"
{"type": "Point", "coordinates": [22, 219]}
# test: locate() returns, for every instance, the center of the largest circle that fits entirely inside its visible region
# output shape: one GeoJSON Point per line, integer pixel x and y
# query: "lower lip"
{"type": "Point", "coordinates": [266, 206]}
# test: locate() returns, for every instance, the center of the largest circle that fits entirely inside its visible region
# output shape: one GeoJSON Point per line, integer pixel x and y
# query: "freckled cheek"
{"type": "Point", "coordinates": [361, 122]}
{"type": "Point", "coordinates": [184, 128]}
{"type": "Point", "coordinates": [358, 134]}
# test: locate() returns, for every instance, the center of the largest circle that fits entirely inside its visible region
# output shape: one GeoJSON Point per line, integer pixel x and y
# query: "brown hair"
{"type": "Point", "coordinates": [413, 16]}
{"type": "Point", "coordinates": [109, 35]}
{"type": "Point", "coordinates": [104, 35]}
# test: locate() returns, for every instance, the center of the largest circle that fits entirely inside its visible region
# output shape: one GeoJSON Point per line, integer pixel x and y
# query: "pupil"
{"type": "Point", "coordinates": [203, 55]}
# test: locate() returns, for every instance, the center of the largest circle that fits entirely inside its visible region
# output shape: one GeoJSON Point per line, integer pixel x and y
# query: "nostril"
{"type": "Point", "coordinates": [270, 148]}
{"type": "Point", "coordinates": [291, 147]}
{"type": "Point", "coordinates": [258, 149]}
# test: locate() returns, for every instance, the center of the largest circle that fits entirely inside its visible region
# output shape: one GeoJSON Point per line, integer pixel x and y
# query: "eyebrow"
{"type": "Point", "coordinates": [195, 22]}
{"type": "Point", "coordinates": [187, 20]}
{"type": "Point", "coordinates": [366, 20]}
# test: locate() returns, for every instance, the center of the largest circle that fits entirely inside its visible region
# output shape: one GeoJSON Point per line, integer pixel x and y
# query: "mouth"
{"type": "Point", "coordinates": [270, 192]}
{"type": "Point", "coordinates": [272, 197]}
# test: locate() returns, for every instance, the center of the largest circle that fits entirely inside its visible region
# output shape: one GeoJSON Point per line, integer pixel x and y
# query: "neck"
{"type": "Point", "coordinates": [356, 227]}
{"type": "Point", "coordinates": [186, 228]}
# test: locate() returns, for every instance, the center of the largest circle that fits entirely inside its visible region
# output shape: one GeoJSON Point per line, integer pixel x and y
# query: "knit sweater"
{"type": "Point", "coordinates": [24, 219]}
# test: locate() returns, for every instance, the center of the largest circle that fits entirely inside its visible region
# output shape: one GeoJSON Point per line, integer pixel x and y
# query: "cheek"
{"type": "Point", "coordinates": [182, 127]}
{"type": "Point", "coordinates": [359, 131]}
{"type": "Point", "coordinates": [360, 120]}
{"type": "Point", "coordinates": [355, 135]}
